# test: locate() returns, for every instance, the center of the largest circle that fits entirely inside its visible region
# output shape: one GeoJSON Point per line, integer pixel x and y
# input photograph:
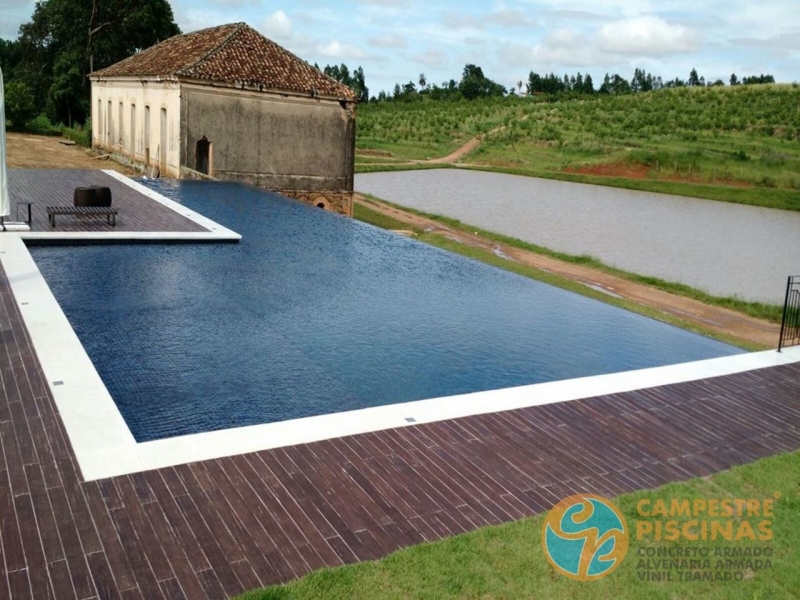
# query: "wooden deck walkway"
{"type": "Point", "coordinates": [54, 187]}
{"type": "Point", "coordinates": [217, 528]}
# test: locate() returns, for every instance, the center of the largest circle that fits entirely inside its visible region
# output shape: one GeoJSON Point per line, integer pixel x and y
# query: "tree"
{"type": "Point", "coordinates": [471, 82]}
{"type": "Point", "coordinates": [758, 79]}
{"type": "Point", "coordinates": [694, 78]}
{"type": "Point", "coordinates": [20, 104]}
{"type": "Point", "coordinates": [423, 81]}
{"type": "Point", "coordinates": [605, 88]}
{"type": "Point", "coordinates": [357, 81]}
{"type": "Point", "coordinates": [359, 85]}
{"type": "Point", "coordinates": [734, 79]}
{"type": "Point", "coordinates": [642, 81]}
{"type": "Point", "coordinates": [65, 95]}
{"type": "Point", "coordinates": [588, 85]}
{"type": "Point", "coordinates": [474, 84]}
{"type": "Point", "coordinates": [333, 72]}
{"type": "Point", "coordinates": [9, 56]}
{"type": "Point", "coordinates": [65, 40]}
{"type": "Point", "coordinates": [534, 83]}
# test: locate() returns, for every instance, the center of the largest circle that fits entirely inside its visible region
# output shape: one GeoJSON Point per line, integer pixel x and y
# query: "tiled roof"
{"type": "Point", "coordinates": [234, 53]}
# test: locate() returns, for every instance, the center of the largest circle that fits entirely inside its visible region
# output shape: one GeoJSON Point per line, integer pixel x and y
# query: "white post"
{"type": "Point", "coordinates": [5, 205]}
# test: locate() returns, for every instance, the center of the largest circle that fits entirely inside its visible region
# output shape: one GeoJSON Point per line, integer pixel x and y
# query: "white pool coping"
{"type": "Point", "coordinates": [104, 446]}
{"type": "Point", "coordinates": [214, 231]}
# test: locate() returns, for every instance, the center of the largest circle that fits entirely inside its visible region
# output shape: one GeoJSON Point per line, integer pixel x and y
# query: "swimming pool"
{"type": "Point", "coordinates": [313, 313]}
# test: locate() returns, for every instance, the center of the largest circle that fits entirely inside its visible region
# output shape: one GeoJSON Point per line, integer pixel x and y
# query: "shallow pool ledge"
{"type": "Point", "coordinates": [105, 447]}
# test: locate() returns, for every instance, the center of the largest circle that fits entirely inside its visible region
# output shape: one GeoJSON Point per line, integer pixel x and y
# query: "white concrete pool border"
{"type": "Point", "coordinates": [104, 446]}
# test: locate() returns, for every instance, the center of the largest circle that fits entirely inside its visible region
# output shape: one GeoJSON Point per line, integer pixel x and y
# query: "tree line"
{"type": "Point", "coordinates": [46, 68]}
{"type": "Point", "coordinates": [642, 81]}
{"type": "Point", "coordinates": [474, 84]}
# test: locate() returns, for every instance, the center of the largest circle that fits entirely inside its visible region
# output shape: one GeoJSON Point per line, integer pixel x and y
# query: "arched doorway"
{"type": "Point", "coordinates": [202, 156]}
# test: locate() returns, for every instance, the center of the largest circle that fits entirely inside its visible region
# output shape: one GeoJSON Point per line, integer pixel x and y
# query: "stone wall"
{"type": "Point", "coordinates": [339, 202]}
{"type": "Point", "coordinates": [295, 145]}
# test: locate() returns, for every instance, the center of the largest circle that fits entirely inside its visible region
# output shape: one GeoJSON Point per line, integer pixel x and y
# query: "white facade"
{"type": "Point", "coordinates": [138, 120]}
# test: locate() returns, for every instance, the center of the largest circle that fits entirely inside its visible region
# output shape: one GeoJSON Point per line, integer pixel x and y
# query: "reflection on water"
{"type": "Point", "coordinates": [725, 249]}
{"type": "Point", "coordinates": [315, 313]}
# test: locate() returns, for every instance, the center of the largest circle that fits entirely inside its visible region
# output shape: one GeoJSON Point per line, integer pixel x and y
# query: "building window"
{"type": "Point", "coordinates": [133, 131]}
{"type": "Point", "coordinates": [121, 141]}
{"type": "Point", "coordinates": [162, 147]}
{"type": "Point", "coordinates": [109, 125]}
{"type": "Point", "coordinates": [147, 136]}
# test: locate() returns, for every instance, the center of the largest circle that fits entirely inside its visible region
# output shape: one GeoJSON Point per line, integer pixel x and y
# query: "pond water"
{"type": "Point", "coordinates": [313, 313]}
{"type": "Point", "coordinates": [722, 248]}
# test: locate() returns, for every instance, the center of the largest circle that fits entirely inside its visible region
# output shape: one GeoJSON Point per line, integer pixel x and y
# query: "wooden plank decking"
{"type": "Point", "coordinates": [54, 187]}
{"type": "Point", "coordinates": [217, 528]}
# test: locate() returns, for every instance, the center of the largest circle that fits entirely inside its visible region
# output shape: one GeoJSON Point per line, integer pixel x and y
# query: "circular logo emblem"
{"type": "Point", "coordinates": [585, 537]}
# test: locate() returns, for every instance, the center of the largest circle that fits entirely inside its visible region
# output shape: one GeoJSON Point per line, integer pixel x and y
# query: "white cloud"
{"type": "Point", "coordinates": [194, 20]}
{"type": "Point", "coordinates": [502, 17]}
{"type": "Point", "coordinates": [647, 36]}
{"type": "Point", "coordinates": [277, 26]}
{"type": "Point", "coordinates": [431, 57]}
{"type": "Point", "coordinates": [782, 42]}
{"type": "Point", "coordinates": [389, 41]}
{"type": "Point", "coordinates": [335, 49]}
{"type": "Point", "coordinates": [390, 3]}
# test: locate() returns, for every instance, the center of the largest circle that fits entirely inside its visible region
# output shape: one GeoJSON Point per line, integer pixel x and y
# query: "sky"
{"type": "Point", "coordinates": [397, 40]}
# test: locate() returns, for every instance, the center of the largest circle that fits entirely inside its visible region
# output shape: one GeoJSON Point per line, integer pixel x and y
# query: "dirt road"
{"type": "Point", "coordinates": [721, 320]}
{"type": "Point", "coordinates": [45, 152]}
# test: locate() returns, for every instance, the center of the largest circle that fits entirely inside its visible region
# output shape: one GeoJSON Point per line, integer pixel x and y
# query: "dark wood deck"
{"type": "Point", "coordinates": [54, 187]}
{"type": "Point", "coordinates": [216, 528]}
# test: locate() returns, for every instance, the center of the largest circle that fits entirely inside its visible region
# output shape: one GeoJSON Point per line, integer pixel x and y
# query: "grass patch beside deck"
{"type": "Point", "coordinates": [507, 561]}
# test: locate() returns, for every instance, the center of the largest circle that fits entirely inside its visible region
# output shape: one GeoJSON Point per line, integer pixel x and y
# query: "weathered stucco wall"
{"type": "Point", "coordinates": [126, 134]}
{"type": "Point", "coordinates": [294, 145]}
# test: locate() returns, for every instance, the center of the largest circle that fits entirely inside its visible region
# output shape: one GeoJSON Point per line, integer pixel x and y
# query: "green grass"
{"type": "Point", "coordinates": [732, 144]}
{"type": "Point", "coordinates": [372, 217]}
{"type": "Point", "coordinates": [507, 561]}
{"type": "Point", "coordinates": [362, 167]}
{"type": "Point", "coordinates": [758, 310]}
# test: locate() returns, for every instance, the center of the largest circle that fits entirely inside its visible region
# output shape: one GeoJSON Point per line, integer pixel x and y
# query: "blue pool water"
{"type": "Point", "coordinates": [313, 313]}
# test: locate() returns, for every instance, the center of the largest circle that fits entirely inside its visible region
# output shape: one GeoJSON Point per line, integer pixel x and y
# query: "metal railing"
{"type": "Point", "coordinates": [790, 324]}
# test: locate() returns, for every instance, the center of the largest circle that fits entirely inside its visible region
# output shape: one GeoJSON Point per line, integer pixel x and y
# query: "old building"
{"type": "Point", "coordinates": [230, 103]}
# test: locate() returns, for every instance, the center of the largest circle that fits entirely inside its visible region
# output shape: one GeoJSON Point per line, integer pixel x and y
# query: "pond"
{"type": "Point", "coordinates": [722, 248]}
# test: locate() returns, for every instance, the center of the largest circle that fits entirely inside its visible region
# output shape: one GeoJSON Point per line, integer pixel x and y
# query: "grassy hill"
{"type": "Point", "coordinates": [733, 137]}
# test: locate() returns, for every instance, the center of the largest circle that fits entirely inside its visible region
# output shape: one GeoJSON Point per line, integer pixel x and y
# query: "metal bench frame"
{"type": "Point", "coordinates": [82, 211]}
